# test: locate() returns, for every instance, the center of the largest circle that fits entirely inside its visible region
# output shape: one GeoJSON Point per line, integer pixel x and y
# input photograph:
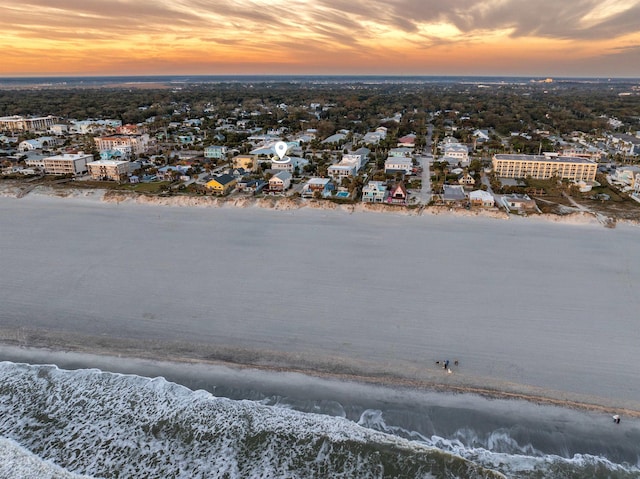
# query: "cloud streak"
{"type": "Point", "coordinates": [311, 33]}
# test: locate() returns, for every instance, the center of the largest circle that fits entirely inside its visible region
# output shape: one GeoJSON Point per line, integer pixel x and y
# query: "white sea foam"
{"type": "Point", "coordinates": [17, 462]}
{"type": "Point", "coordinates": [101, 424]}
{"type": "Point", "coordinates": [106, 424]}
{"type": "Point", "coordinates": [500, 451]}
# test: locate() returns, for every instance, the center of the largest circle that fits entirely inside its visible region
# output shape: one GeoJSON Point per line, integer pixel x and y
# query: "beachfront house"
{"type": "Point", "coordinates": [482, 199]}
{"type": "Point", "coordinates": [374, 192]}
{"type": "Point", "coordinates": [249, 185]}
{"type": "Point", "coordinates": [280, 182]}
{"type": "Point", "coordinates": [454, 194]}
{"type": "Point", "coordinates": [222, 185]}
{"type": "Point", "coordinates": [518, 203]}
{"type": "Point", "coordinates": [398, 194]}
{"type": "Point", "coordinates": [323, 186]}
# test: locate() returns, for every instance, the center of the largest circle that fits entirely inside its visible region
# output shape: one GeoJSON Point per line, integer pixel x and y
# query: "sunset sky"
{"type": "Point", "coordinates": [392, 37]}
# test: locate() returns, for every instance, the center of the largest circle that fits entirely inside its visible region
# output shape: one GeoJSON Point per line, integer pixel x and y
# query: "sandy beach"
{"type": "Point", "coordinates": [528, 307]}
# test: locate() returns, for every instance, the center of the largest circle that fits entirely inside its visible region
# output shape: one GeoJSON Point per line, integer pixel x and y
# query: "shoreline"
{"type": "Point", "coordinates": [16, 191]}
{"type": "Point", "coordinates": [117, 349]}
{"type": "Point", "coordinates": [457, 423]}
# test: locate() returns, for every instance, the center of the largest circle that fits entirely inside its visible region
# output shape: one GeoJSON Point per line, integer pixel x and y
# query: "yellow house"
{"type": "Point", "coordinates": [248, 162]}
{"type": "Point", "coordinates": [222, 184]}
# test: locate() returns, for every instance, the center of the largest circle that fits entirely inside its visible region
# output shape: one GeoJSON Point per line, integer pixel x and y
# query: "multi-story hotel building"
{"type": "Point", "coordinates": [115, 170]}
{"type": "Point", "coordinates": [136, 144]}
{"type": "Point", "coordinates": [544, 167]}
{"type": "Point", "coordinates": [20, 123]}
{"type": "Point", "coordinates": [67, 164]}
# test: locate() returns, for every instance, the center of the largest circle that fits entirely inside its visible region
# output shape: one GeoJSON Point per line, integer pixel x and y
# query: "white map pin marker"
{"type": "Point", "coordinates": [281, 148]}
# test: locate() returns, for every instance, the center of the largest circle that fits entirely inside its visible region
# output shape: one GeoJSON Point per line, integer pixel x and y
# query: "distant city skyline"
{"type": "Point", "coordinates": [576, 38]}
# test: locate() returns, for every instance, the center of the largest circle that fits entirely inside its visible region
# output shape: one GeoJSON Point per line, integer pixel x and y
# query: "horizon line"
{"type": "Point", "coordinates": [306, 75]}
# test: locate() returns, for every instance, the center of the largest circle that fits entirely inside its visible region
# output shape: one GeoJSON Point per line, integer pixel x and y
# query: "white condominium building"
{"type": "Point", "coordinates": [20, 123]}
{"type": "Point", "coordinates": [115, 170]}
{"type": "Point", "coordinates": [67, 164]}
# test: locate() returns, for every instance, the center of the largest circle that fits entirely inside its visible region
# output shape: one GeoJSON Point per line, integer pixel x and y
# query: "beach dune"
{"type": "Point", "coordinates": [526, 306]}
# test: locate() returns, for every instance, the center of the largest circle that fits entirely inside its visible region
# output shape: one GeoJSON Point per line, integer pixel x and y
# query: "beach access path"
{"type": "Point", "coordinates": [526, 306]}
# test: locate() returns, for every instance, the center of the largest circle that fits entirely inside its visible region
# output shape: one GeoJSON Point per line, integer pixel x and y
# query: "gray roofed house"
{"type": "Point", "coordinates": [519, 203]}
{"type": "Point", "coordinates": [224, 179]}
{"type": "Point", "coordinates": [481, 198]}
{"type": "Point", "coordinates": [280, 181]}
{"type": "Point", "coordinates": [249, 185]}
{"type": "Point", "coordinates": [336, 138]}
{"type": "Point", "coordinates": [453, 194]}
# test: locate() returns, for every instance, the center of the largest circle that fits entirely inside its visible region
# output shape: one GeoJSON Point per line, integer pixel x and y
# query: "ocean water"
{"type": "Point", "coordinates": [97, 81]}
{"type": "Point", "coordinates": [88, 423]}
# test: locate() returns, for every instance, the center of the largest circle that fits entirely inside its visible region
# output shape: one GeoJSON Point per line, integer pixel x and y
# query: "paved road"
{"type": "Point", "coordinates": [424, 195]}
{"type": "Point", "coordinates": [425, 162]}
{"type": "Point", "coordinates": [484, 179]}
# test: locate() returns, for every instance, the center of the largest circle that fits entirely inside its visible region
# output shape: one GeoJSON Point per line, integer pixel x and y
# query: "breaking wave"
{"type": "Point", "coordinates": [71, 424]}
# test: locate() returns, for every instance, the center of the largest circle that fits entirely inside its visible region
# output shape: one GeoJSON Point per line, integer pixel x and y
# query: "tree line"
{"type": "Point", "coordinates": [558, 108]}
